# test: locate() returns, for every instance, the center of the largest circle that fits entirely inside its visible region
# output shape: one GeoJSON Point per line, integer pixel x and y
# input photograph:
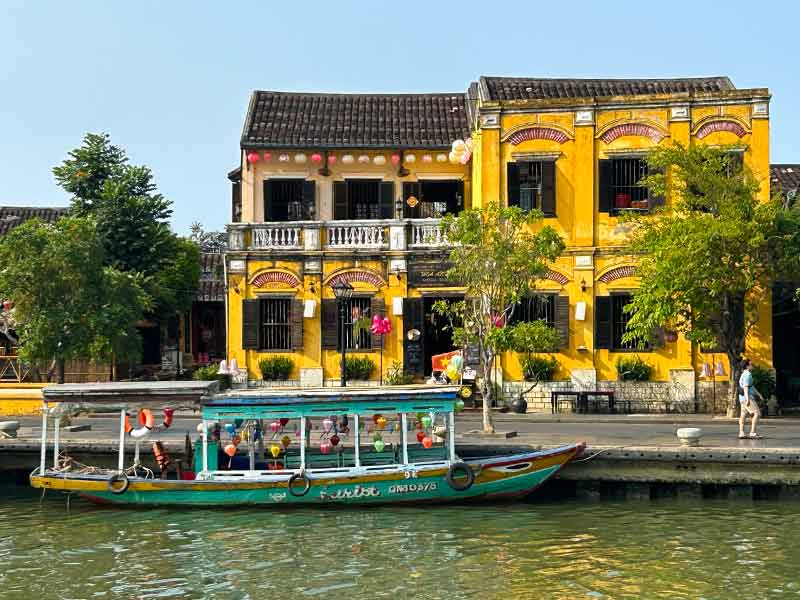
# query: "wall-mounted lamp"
{"type": "Point", "coordinates": [312, 289]}
{"type": "Point", "coordinates": [583, 285]}
{"type": "Point", "coordinates": [397, 273]}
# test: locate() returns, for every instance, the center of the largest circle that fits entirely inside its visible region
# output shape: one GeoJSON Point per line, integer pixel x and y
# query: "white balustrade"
{"type": "Point", "coordinates": [349, 235]}
{"type": "Point", "coordinates": [278, 236]}
{"type": "Point", "coordinates": [428, 234]}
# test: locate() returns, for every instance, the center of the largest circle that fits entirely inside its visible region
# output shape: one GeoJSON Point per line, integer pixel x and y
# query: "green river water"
{"type": "Point", "coordinates": [571, 549]}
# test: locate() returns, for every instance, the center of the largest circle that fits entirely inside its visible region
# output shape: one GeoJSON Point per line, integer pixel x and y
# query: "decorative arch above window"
{"type": "Point", "coordinates": [712, 126]}
{"type": "Point", "coordinates": [639, 129]}
{"type": "Point", "coordinates": [559, 278]}
{"type": "Point", "coordinates": [537, 132]}
{"type": "Point", "coordinates": [617, 273]}
{"type": "Point", "coordinates": [275, 279]}
{"type": "Point", "coordinates": [357, 276]}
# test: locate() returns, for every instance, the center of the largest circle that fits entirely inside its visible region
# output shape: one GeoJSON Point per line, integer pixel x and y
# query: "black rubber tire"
{"type": "Point", "coordinates": [114, 479]}
{"type": "Point", "coordinates": [306, 487]}
{"type": "Point", "coordinates": [453, 471]}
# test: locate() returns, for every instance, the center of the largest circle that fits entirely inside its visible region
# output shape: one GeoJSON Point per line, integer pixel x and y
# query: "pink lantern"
{"type": "Point", "coordinates": [275, 426]}
{"type": "Point", "coordinates": [253, 158]}
{"type": "Point", "coordinates": [325, 447]}
{"type": "Point", "coordinates": [230, 450]}
{"type": "Point", "coordinates": [395, 159]}
{"type": "Point", "coordinates": [6, 305]}
{"type": "Point", "coordinates": [376, 325]}
{"type": "Point", "coordinates": [386, 325]}
{"type": "Point", "coordinates": [498, 321]}
{"type": "Point", "coordinates": [267, 156]}
{"type": "Point", "coordinates": [332, 160]}
{"type": "Point", "coordinates": [427, 442]}
{"type": "Point", "coordinates": [316, 157]}
{"type": "Point", "coordinates": [326, 425]}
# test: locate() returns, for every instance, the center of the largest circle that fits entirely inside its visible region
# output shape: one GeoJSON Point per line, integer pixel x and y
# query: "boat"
{"type": "Point", "coordinates": [387, 445]}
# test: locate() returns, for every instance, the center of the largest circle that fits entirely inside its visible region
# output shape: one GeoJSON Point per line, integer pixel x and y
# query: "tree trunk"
{"type": "Point", "coordinates": [732, 337]}
{"type": "Point", "coordinates": [60, 370]}
{"type": "Point", "coordinates": [487, 388]}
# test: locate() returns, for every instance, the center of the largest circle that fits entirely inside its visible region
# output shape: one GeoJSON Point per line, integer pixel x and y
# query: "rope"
{"type": "Point", "coordinates": [599, 452]}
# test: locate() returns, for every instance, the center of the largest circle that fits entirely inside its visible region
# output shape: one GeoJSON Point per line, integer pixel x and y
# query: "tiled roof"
{"type": "Point", "coordinates": [212, 282]}
{"type": "Point", "coordinates": [531, 88]}
{"type": "Point", "coordinates": [300, 120]}
{"type": "Point", "coordinates": [13, 216]}
{"type": "Point", "coordinates": [784, 178]}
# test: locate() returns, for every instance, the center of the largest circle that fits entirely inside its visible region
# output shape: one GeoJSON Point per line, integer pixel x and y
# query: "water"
{"type": "Point", "coordinates": [573, 549]}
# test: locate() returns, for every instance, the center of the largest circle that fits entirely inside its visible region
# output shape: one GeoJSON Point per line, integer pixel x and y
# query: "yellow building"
{"type": "Point", "coordinates": [336, 186]}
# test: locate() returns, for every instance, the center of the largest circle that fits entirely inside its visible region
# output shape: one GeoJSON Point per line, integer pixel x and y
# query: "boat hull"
{"type": "Point", "coordinates": [495, 478]}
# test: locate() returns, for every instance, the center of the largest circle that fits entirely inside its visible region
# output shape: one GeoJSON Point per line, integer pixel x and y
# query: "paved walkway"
{"type": "Point", "coordinates": [532, 429]}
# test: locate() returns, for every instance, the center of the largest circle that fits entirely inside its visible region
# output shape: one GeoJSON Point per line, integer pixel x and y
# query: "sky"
{"type": "Point", "coordinates": [170, 81]}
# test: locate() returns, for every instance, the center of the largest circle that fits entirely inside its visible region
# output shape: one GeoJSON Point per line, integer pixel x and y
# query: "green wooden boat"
{"type": "Point", "coordinates": [385, 445]}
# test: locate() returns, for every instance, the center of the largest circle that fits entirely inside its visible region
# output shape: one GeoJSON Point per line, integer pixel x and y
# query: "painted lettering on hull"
{"type": "Point", "coordinates": [345, 494]}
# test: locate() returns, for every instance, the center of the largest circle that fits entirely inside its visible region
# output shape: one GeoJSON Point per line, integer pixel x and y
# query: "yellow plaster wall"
{"type": "Point", "coordinates": [20, 399]}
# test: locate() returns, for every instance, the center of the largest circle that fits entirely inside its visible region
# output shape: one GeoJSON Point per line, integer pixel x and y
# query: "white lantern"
{"type": "Point", "coordinates": [459, 146]}
{"type": "Point", "coordinates": [410, 158]}
{"type": "Point", "coordinates": [363, 159]}
{"type": "Point", "coordinates": [300, 158]}
{"type": "Point", "coordinates": [379, 160]}
{"type": "Point", "coordinates": [453, 157]}
{"type": "Point", "coordinates": [348, 159]}
{"type": "Point", "coordinates": [441, 158]}
{"type": "Point", "coordinates": [283, 158]}
{"type": "Point", "coordinates": [426, 158]}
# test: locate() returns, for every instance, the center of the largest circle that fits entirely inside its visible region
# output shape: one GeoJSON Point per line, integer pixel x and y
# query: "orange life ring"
{"type": "Point", "coordinates": [147, 421]}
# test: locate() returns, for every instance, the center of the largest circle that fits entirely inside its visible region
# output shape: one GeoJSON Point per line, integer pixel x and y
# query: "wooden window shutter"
{"type": "Point", "coordinates": [413, 350]}
{"type": "Point", "coordinates": [549, 188]}
{"type": "Point", "coordinates": [296, 316]}
{"type": "Point", "coordinates": [340, 204]}
{"type": "Point", "coordinates": [606, 176]}
{"type": "Point", "coordinates": [562, 320]}
{"type": "Point", "coordinates": [236, 202]}
{"type": "Point", "coordinates": [387, 199]}
{"type": "Point", "coordinates": [309, 199]}
{"type": "Point", "coordinates": [268, 211]}
{"type": "Point", "coordinates": [330, 324]}
{"type": "Point", "coordinates": [377, 307]}
{"type": "Point", "coordinates": [250, 324]}
{"type": "Point", "coordinates": [410, 188]}
{"type": "Point", "coordinates": [602, 322]}
{"type": "Point", "coordinates": [512, 170]}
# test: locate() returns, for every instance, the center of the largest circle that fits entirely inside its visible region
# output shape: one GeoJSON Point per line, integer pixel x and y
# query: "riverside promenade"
{"type": "Point", "coordinates": [627, 456]}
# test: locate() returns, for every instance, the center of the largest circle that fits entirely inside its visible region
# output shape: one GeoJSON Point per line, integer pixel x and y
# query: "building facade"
{"type": "Point", "coordinates": [351, 187]}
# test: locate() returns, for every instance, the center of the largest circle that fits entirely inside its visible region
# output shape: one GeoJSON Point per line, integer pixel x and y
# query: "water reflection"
{"type": "Point", "coordinates": [564, 550]}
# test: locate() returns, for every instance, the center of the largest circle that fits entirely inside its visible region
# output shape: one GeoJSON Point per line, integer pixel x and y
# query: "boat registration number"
{"type": "Point", "coordinates": [410, 488]}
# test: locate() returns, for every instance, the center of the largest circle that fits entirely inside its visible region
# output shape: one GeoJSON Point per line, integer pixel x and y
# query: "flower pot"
{"type": "Point", "coordinates": [519, 405]}
{"type": "Point", "coordinates": [622, 200]}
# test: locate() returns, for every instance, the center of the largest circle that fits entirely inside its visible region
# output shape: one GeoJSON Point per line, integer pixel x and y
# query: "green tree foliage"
{"type": "Point", "coordinates": [711, 259]}
{"type": "Point", "coordinates": [498, 256]}
{"type": "Point", "coordinates": [67, 302]}
{"type": "Point", "coordinates": [132, 220]}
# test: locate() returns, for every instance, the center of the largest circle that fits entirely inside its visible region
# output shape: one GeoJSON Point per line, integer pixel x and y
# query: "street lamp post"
{"type": "Point", "coordinates": [342, 291]}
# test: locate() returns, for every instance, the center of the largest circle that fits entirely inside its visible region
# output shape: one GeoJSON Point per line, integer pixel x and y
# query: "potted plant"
{"type": "Point", "coordinates": [634, 369]}
{"type": "Point", "coordinates": [276, 368]}
{"type": "Point", "coordinates": [527, 339]}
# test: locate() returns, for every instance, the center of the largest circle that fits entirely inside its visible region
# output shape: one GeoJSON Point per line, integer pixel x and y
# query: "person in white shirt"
{"type": "Point", "coordinates": [747, 401]}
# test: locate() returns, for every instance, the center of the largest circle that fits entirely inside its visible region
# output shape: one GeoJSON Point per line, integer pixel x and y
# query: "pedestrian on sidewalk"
{"type": "Point", "coordinates": [747, 401]}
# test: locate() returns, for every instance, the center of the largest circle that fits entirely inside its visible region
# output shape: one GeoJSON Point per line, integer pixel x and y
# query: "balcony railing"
{"type": "Point", "coordinates": [400, 234]}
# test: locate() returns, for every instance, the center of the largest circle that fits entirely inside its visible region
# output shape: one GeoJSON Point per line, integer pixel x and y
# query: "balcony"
{"type": "Point", "coordinates": [362, 235]}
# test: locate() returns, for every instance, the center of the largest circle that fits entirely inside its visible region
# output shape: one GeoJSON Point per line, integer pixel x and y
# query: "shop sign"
{"type": "Point", "coordinates": [429, 273]}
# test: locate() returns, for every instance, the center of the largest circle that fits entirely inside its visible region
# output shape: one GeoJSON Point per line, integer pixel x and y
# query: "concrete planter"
{"type": "Point", "coordinates": [689, 436]}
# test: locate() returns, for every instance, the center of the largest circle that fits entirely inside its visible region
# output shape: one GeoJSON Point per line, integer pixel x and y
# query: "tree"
{"type": "Point", "coordinates": [66, 302]}
{"type": "Point", "coordinates": [708, 262]}
{"type": "Point", "coordinates": [208, 241]}
{"type": "Point", "coordinates": [498, 256]}
{"type": "Point", "coordinates": [132, 220]}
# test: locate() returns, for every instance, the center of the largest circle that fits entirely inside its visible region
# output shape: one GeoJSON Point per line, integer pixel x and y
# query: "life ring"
{"type": "Point", "coordinates": [299, 493]}
{"type": "Point", "coordinates": [147, 421]}
{"type": "Point", "coordinates": [466, 471]}
{"type": "Point", "coordinates": [118, 477]}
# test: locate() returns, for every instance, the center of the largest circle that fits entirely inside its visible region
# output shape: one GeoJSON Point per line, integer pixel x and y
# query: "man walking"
{"type": "Point", "coordinates": [747, 401]}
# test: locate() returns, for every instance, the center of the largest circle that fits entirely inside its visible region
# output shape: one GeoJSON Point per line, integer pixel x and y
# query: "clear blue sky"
{"type": "Point", "coordinates": [170, 81]}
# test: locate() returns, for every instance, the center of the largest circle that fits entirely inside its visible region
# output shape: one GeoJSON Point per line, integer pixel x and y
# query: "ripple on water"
{"type": "Point", "coordinates": [564, 550]}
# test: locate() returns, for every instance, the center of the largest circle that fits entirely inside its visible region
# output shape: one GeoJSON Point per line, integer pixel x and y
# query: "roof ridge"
{"type": "Point", "coordinates": [364, 94]}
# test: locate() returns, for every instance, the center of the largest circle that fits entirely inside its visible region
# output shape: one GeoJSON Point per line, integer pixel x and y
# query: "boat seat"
{"type": "Point", "coordinates": [418, 453]}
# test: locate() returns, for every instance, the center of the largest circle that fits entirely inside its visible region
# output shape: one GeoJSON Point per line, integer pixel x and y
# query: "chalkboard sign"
{"type": "Point", "coordinates": [413, 345]}
{"type": "Point", "coordinates": [472, 355]}
{"type": "Point", "coordinates": [429, 273]}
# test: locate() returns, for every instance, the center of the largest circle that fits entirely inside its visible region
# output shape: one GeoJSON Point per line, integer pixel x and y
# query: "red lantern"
{"type": "Point", "coordinates": [331, 160]}
{"type": "Point", "coordinates": [253, 158]}
{"type": "Point", "coordinates": [267, 156]}
{"type": "Point", "coordinates": [316, 157]}
{"type": "Point", "coordinates": [230, 450]}
{"type": "Point", "coordinates": [284, 421]}
{"type": "Point", "coordinates": [420, 436]}
{"type": "Point", "coordinates": [427, 442]}
{"type": "Point", "coordinates": [395, 159]}
{"type": "Point", "coordinates": [334, 440]}
{"type": "Point", "coordinates": [6, 305]}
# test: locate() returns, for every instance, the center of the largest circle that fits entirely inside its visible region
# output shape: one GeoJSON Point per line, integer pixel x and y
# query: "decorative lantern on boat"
{"type": "Point", "coordinates": [459, 405]}
{"type": "Point", "coordinates": [426, 421]}
{"type": "Point", "coordinates": [332, 159]}
{"type": "Point", "coordinates": [275, 426]}
{"type": "Point", "coordinates": [379, 444]}
{"type": "Point", "coordinates": [427, 442]}
{"type": "Point", "coordinates": [335, 440]}
{"type": "Point", "coordinates": [325, 446]}
{"type": "Point", "coordinates": [230, 450]}
{"type": "Point", "coordinates": [420, 436]}
{"type": "Point", "coordinates": [395, 159]}
{"type": "Point", "coordinates": [283, 421]}
{"type": "Point", "coordinates": [285, 441]}
{"type": "Point", "coordinates": [326, 425]}
{"type": "Point", "coordinates": [380, 422]}
{"type": "Point", "coordinates": [267, 156]}
{"type": "Point", "coordinates": [275, 451]}
{"type": "Point", "coordinates": [316, 157]}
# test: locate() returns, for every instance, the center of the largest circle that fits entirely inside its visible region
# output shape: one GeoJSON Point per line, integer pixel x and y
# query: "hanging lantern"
{"type": "Point", "coordinates": [297, 433]}
{"type": "Point", "coordinates": [332, 160]}
{"type": "Point", "coordinates": [286, 441]}
{"type": "Point", "coordinates": [410, 159]}
{"type": "Point", "coordinates": [458, 405]}
{"type": "Point", "coordinates": [379, 160]}
{"type": "Point", "coordinates": [381, 422]}
{"type": "Point", "coordinates": [427, 158]}
{"type": "Point", "coordinates": [275, 426]}
{"type": "Point", "coordinates": [420, 436]}
{"type": "Point", "coordinates": [348, 159]}
{"type": "Point", "coordinates": [453, 158]}
{"type": "Point", "coordinates": [441, 158]}
{"type": "Point", "coordinates": [230, 429]}
{"type": "Point", "coordinates": [325, 446]}
{"type": "Point", "coordinates": [316, 157]}
{"type": "Point", "coordinates": [283, 158]}
{"type": "Point", "coordinates": [230, 450]}
{"type": "Point", "coordinates": [379, 445]}
{"type": "Point", "coordinates": [237, 439]}
{"type": "Point", "coordinates": [426, 421]}
{"type": "Point", "coordinates": [363, 159]}
{"type": "Point", "coordinates": [427, 442]}
{"type": "Point", "coordinates": [300, 158]}
{"type": "Point", "coordinates": [326, 425]}
{"type": "Point", "coordinates": [275, 451]}
{"type": "Point", "coordinates": [6, 305]}
{"type": "Point", "coordinates": [334, 440]}
{"type": "Point", "coordinates": [267, 156]}
{"type": "Point", "coordinates": [395, 159]}
{"type": "Point", "coordinates": [283, 421]}
{"type": "Point", "coordinates": [253, 157]}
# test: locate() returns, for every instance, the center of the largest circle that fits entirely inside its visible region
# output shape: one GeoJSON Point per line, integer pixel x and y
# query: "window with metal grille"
{"type": "Point", "coordinates": [530, 185]}
{"type": "Point", "coordinates": [619, 324]}
{"type": "Point", "coordinates": [355, 309]}
{"type": "Point", "coordinates": [283, 200]}
{"type": "Point", "coordinates": [276, 328]}
{"type": "Point", "coordinates": [538, 307]}
{"type": "Point", "coordinates": [627, 192]}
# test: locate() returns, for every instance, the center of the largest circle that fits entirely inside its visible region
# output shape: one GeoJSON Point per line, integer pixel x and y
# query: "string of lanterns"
{"type": "Point", "coordinates": [460, 153]}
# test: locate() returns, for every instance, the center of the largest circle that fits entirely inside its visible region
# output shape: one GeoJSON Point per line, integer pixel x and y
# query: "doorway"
{"type": "Point", "coordinates": [437, 332]}
{"type": "Point", "coordinates": [785, 349]}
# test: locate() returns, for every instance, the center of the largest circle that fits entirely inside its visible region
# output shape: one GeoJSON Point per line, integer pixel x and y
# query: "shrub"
{"type": "Point", "coordinates": [764, 382]}
{"type": "Point", "coordinates": [539, 368]}
{"type": "Point", "coordinates": [634, 369]}
{"type": "Point", "coordinates": [397, 376]}
{"type": "Point", "coordinates": [211, 373]}
{"type": "Point", "coordinates": [276, 368]}
{"type": "Point", "coordinates": [359, 368]}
